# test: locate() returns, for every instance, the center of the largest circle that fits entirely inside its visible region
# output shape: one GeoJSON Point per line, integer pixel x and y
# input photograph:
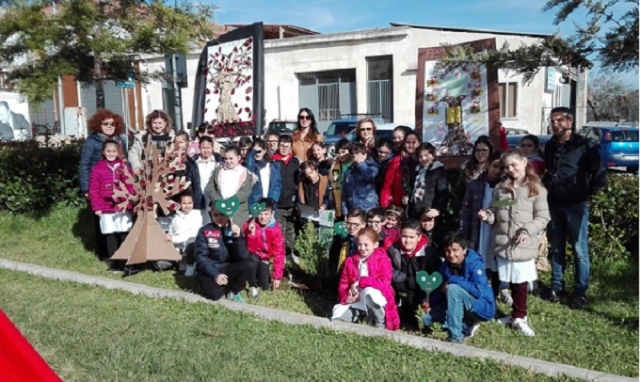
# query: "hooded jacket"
{"type": "Point", "coordinates": [359, 186]}
{"type": "Point", "coordinates": [275, 180]}
{"type": "Point", "coordinates": [91, 154]}
{"type": "Point", "coordinates": [215, 248]}
{"type": "Point", "coordinates": [380, 275]}
{"type": "Point", "coordinates": [289, 170]}
{"type": "Point", "coordinates": [267, 243]}
{"type": "Point", "coordinates": [529, 214]}
{"type": "Point", "coordinates": [102, 182]}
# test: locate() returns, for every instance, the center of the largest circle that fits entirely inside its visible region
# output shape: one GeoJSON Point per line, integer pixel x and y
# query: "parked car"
{"type": "Point", "coordinates": [512, 131]}
{"type": "Point", "coordinates": [340, 128]}
{"type": "Point", "coordinates": [282, 127]}
{"type": "Point", "coordinates": [618, 145]}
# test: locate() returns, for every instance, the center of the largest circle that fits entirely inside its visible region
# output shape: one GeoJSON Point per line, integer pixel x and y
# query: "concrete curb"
{"type": "Point", "coordinates": [535, 365]}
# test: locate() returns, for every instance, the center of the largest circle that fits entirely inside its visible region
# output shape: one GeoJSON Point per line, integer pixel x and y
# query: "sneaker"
{"type": "Point", "coordinates": [522, 324]}
{"type": "Point", "coordinates": [453, 340]}
{"type": "Point", "coordinates": [505, 297]}
{"type": "Point", "coordinates": [235, 297]}
{"type": "Point", "coordinates": [472, 329]}
{"type": "Point", "coordinates": [506, 320]}
{"type": "Point", "coordinates": [254, 293]}
{"type": "Point", "coordinates": [578, 302]}
{"type": "Point", "coordinates": [190, 270]}
{"type": "Point", "coordinates": [551, 296]}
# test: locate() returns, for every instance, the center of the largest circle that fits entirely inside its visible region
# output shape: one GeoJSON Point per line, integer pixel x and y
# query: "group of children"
{"type": "Point", "coordinates": [390, 196]}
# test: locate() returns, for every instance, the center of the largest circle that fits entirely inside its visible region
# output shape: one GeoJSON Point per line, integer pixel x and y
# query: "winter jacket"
{"type": "Point", "coordinates": [379, 269]}
{"type": "Point", "coordinates": [102, 182]}
{"type": "Point", "coordinates": [275, 180]}
{"type": "Point", "coordinates": [436, 191]}
{"type": "Point", "coordinates": [267, 243]}
{"type": "Point", "coordinates": [395, 187]}
{"type": "Point", "coordinates": [359, 187]}
{"type": "Point", "coordinates": [322, 189]}
{"type": "Point", "coordinates": [529, 214]}
{"type": "Point", "coordinates": [185, 226]}
{"type": "Point", "coordinates": [574, 170]}
{"type": "Point", "coordinates": [91, 154]}
{"type": "Point", "coordinates": [341, 248]}
{"type": "Point", "coordinates": [289, 170]}
{"type": "Point", "coordinates": [472, 278]}
{"type": "Point", "coordinates": [382, 171]}
{"type": "Point", "coordinates": [193, 176]}
{"type": "Point", "coordinates": [215, 248]}
{"type": "Point", "coordinates": [302, 149]}
{"type": "Point", "coordinates": [471, 205]}
{"type": "Point", "coordinates": [136, 152]}
{"type": "Point", "coordinates": [243, 190]}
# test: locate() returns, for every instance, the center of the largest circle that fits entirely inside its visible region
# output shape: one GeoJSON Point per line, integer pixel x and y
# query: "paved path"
{"type": "Point", "coordinates": [535, 365]}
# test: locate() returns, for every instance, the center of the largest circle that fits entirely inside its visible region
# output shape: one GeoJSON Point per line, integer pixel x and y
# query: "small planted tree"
{"type": "Point", "coordinates": [152, 189]}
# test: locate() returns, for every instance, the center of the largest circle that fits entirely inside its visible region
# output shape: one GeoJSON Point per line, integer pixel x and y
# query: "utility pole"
{"type": "Point", "coordinates": [177, 94]}
{"type": "Point", "coordinates": [97, 65]}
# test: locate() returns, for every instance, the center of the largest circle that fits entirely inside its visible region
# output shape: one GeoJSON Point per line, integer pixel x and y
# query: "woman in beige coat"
{"type": "Point", "coordinates": [519, 213]}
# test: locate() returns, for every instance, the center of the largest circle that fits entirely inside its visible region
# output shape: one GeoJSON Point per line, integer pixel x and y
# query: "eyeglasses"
{"type": "Point", "coordinates": [353, 225]}
{"type": "Point", "coordinates": [367, 129]}
{"type": "Point", "coordinates": [374, 221]}
{"type": "Point", "coordinates": [108, 123]}
{"type": "Point", "coordinates": [304, 117]}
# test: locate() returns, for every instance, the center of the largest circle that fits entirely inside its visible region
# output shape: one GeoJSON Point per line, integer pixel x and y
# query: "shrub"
{"type": "Point", "coordinates": [312, 251]}
{"type": "Point", "coordinates": [33, 179]}
{"type": "Point", "coordinates": [613, 220]}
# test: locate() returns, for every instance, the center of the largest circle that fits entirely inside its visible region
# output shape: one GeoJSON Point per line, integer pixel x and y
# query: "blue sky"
{"type": "Point", "coordinates": [328, 16]}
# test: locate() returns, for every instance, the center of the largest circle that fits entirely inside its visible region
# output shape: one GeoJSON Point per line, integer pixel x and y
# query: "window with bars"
{"type": "Point", "coordinates": [380, 86]}
{"type": "Point", "coordinates": [508, 92]}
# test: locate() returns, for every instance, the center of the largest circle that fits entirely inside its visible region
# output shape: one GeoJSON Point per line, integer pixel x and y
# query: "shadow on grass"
{"type": "Point", "coordinates": [84, 228]}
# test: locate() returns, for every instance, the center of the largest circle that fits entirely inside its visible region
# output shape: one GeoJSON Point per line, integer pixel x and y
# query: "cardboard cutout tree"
{"type": "Point", "coordinates": [153, 188]}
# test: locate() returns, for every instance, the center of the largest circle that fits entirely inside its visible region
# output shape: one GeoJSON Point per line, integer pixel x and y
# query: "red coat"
{"type": "Point", "coordinates": [392, 191]}
{"type": "Point", "coordinates": [101, 183]}
{"type": "Point", "coordinates": [380, 276]}
{"type": "Point", "coordinates": [267, 243]}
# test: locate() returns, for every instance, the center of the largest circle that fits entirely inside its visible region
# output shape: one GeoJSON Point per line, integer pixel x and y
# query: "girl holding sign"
{"type": "Point", "coordinates": [519, 213]}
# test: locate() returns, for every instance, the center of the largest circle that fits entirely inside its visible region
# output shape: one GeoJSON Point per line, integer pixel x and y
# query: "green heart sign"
{"type": "Point", "coordinates": [340, 228]}
{"type": "Point", "coordinates": [257, 208]}
{"type": "Point", "coordinates": [428, 282]}
{"type": "Point", "coordinates": [228, 207]}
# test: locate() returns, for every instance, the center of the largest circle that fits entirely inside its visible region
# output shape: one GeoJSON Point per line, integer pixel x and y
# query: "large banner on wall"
{"type": "Point", "coordinates": [229, 84]}
{"type": "Point", "coordinates": [14, 117]}
{"type": "Point", "coordinates": [454, 106]}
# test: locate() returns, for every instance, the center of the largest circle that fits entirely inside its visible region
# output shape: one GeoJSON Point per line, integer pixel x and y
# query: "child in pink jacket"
{"type": "Point", "coordinates": [114, 223]}
{"type": "Point", "coordinates": [265, 241]}
{"type": "Point", "coordinates": [365, 291]}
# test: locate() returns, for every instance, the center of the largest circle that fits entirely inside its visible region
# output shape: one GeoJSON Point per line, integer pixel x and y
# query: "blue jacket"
{"type": "Point", "coordinates": [91, 154]}
{"type": "Point", "coordinates": [359, 187]}
{"type": "Point", "coordinates": [473, 279]}
{"type": "Point", "coordinates": [215, 248]}
{"type": "Point", "coordinates": [193, 175]}
{"type": "Point", "coordinates": [275, 180]}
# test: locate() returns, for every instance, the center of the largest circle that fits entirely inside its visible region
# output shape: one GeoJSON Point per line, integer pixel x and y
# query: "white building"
{"type": "Point", "coordinates": [374, 71]}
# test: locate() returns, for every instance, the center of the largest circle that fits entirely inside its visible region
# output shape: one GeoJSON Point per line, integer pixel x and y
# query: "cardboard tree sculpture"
{"type": "Point", "coordinates": [153, 188]}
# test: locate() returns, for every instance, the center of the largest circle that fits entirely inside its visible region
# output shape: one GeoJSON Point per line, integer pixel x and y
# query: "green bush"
{"type": "Point", "coordinates": [33, 179]}
{"type": "Point", "coordinates": [312, 253]}
{"type": "Point", "coordinates": [613, 220]}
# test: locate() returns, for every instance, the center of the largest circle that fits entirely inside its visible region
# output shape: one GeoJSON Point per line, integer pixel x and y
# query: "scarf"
{"type": "Point", "coordinates": [419, 186]}
{"type": "Point", "coordinates": [285, 160]}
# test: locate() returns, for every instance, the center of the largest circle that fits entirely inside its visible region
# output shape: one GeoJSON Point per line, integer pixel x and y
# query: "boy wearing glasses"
{"type": "Point", "coordinates": [289, 169]}
{"type": "Point", "coordinates": [344, 247]}
{"type": "Point", "coordinates": [375, 220]}
{"type": "Point", "coordinates": [272, 142]}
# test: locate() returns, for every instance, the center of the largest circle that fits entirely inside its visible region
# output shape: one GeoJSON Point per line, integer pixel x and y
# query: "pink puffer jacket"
{"type": "Point", "coordinates": [101, 183]}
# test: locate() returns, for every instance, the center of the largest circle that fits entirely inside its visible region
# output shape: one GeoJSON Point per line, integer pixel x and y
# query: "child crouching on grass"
{"type": "Point", "coordinates": [265, 241]}
{"type": "Point", "coordinates": [183, 230]}
{"type": "Point", "coordinates": [465, 297]}
{"type": "Point", "coordinates": [365, 290]}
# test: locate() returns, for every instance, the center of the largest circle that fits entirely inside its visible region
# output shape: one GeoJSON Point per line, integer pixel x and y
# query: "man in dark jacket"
{"type": "Point", "coordinates": [289, 169]}
{"type": "Point", "coordinates": [574, 172]}
{"type": "Point", "coordinates": [222, 259]}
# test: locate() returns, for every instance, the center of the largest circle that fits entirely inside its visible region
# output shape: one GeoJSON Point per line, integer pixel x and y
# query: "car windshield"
{"type": "Point", "coordinates": [624, 136]}
{"type": "Point", "coordinates": [282, 127]}
{"type": "Point", "coordinates": [341, 128]}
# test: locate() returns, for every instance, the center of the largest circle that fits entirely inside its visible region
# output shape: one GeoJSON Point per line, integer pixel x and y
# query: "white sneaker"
{"type": "Point", "coordinates": [254, 293]}
{"type": "Point", "coordinates": [522, 324]}
{"type": "Point", "coordinates": [506, 320]}
{"type": "Point", "coordinates": [505, 297]}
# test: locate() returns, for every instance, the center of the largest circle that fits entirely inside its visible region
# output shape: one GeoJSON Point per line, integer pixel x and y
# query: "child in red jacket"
{"type": "Point", "coordinates": [365, 290]}
{"type": "Point", "coordinates": [265, 241]}
{"type": "Point", "coordinates": [114, 223]}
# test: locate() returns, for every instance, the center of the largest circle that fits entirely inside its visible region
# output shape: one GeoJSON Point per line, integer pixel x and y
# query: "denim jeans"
{"type": "Point", "coordinates": [459, 305]}
{"type": "Point", "coordinates": [572, 220]}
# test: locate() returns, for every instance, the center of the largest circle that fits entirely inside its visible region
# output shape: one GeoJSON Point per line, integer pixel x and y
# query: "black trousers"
{"type": "Point", "coordinates": [260, 275]}
{"type": "Point", "coordinates": [237, 274]}
{"type": "Point", "coordinates": [113, 241]}
{"type": "Point", "coordinates": [101, 244]}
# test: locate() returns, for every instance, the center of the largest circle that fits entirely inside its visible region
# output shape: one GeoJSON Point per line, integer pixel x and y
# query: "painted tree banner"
{"type": "Point", "coordinates": [229, 84]}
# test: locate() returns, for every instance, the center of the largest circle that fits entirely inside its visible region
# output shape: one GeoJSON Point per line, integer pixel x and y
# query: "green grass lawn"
{"type": "Point", "coordinates": [91, 334]}
{"type": "Point", "coordinates": [603, 337]}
